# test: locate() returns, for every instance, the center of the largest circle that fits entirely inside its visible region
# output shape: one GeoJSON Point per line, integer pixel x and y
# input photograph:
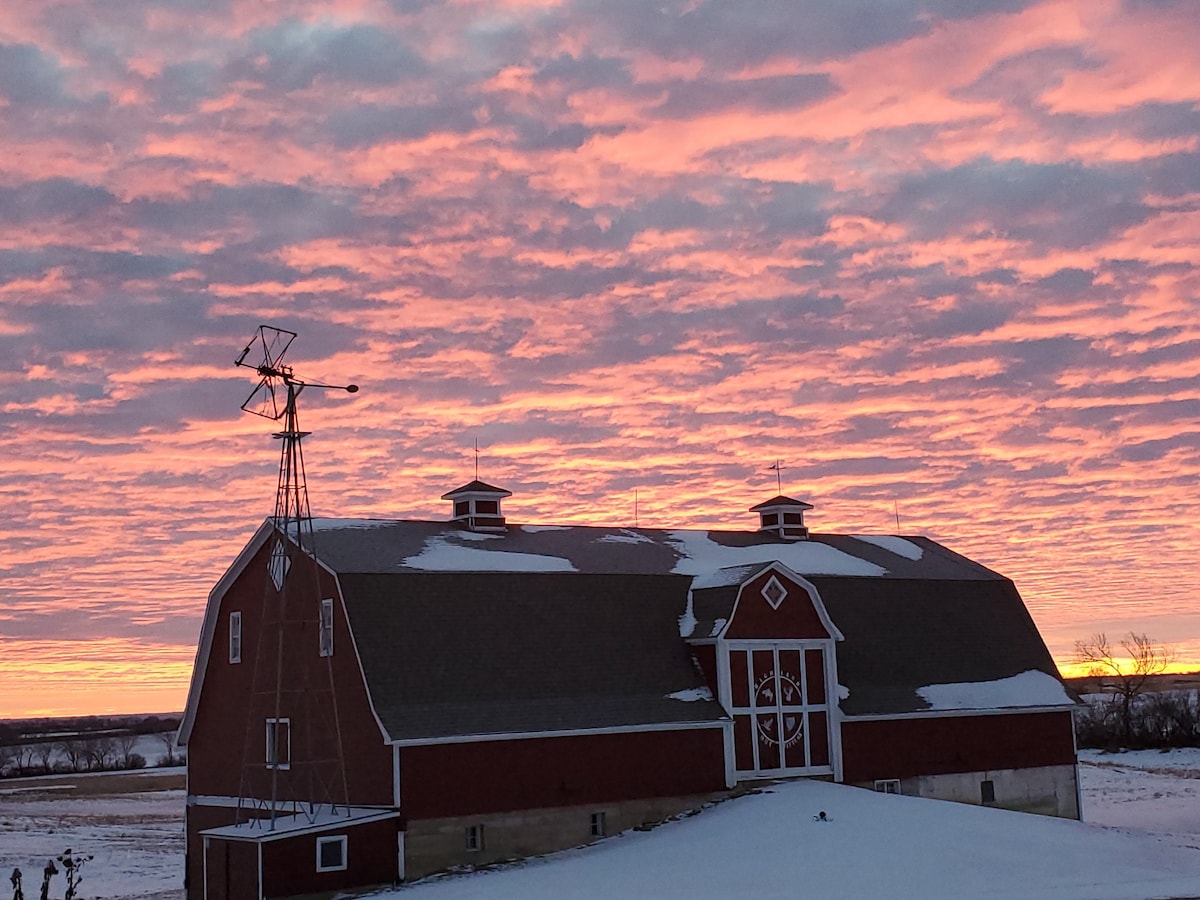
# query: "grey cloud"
{"type": "Point", "coordinates": [360, 125]}
{"type": "Point", "coordinates": [782, 92]}
{"type": "Point", "coordinates": [299, 52]}
{"type": "Point", "coordinates": [585, 72]}
{"type": "Point", "coordinates": [1023, 78]}
{"type": "Point", "coordinates": [29, 76]}
{"type": "Point", "coordinates": [1150, 451]}
{"type": "Point", "coordinates": [1067, 281]}
{"type": "Point", "coordinates": [280, 212]}
{"type": "Point", "coordinates": [53, 198]}
{"type": "Point", "coordinates": [730, 36]}
{"type": "Point", "coordinates": [1061, 205]}
{"type": "Point", "coordinates": [181, 86]}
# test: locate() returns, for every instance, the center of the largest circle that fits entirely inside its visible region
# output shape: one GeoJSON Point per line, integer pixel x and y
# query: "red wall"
{"type": "Point", "coordinates": [232, 872]}
{"type": "Point", "coordinates": [499, 776]}
{"type": "Point", "coordinates": [290, 864]}
{"type": "Point", "coordinates": [796, 617]}
{"type": "Point", "coordinates": [229, 710]}
{"type": "Point", "coordinates": [899, 748]}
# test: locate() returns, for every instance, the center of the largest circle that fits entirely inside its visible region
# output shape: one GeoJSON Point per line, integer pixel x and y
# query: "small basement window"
{"type": "Point", "coordinates": [279, 743]}
{"type": "Point", "coordinates": [235, 637]}
{"type": "Point", "coordinates": [887, 785]}
{"type": "Point", "coordinates": [598, 824]}
{"type": "Point", "coordinates": [474, 838]}
{"type": "Point", "coordinates": [987, 791]}
{"type": "Point", "coordinates": [325, 632]}
{"type": "Point", "coordinates": [331, 853]}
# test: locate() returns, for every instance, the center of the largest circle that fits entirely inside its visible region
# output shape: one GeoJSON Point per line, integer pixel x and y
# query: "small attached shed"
{"type": "Point", "coordinates": [302, 854]}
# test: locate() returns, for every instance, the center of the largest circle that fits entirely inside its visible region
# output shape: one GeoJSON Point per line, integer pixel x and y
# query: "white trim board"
{"type": "Point", "coordinates": [954, 713]}
{"type": "Point", "coordinates": [575, 732]}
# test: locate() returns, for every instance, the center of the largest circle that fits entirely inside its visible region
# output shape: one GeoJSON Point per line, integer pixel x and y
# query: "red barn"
{"type": "Point", "coordinates": [471, 691]}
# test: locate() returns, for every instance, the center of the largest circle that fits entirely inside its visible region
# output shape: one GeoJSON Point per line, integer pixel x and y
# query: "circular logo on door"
{"type": "Point", "coordinates": [790, 694]}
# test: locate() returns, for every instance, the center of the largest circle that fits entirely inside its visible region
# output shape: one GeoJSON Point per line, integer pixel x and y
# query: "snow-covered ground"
{"type": "Point", "coordinates": [1141, 840]}
{"type": "Point", "coordinates": [135, 837]}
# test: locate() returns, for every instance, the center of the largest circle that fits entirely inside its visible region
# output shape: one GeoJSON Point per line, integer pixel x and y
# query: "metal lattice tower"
{"type": "Point", "coordinates": [312, 781]}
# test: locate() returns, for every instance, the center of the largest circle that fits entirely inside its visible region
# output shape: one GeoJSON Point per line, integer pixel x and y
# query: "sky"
{"type": "Point", "coordinates": [937, 257]}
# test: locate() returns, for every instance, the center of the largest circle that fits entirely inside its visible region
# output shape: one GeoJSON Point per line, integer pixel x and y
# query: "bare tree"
{"type": "Point", "coordinates": [101, 753]}
{"type": "Point", "coordinates": [45, 752]}
{"type": "Point", "coordinates": [75, 750]}
{"type": "Point", "coordinates": [125, 744]}
{"type": "Point", "coordinates": [22, 759]}
{"type": "Point", "coordinates": [1129, 666]}
{"type": "Point", "coordinates": [167, 739]}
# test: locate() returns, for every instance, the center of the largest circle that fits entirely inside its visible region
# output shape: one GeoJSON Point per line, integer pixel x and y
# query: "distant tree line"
{"type": "Point", "coordinates": [20, 731]}
{"type": "Point", "coordinates": [1158, 720]}
{"type": "Point", "coordinates": [92, 744]}
{"type": "Point", "coordinates": [1126, 713]}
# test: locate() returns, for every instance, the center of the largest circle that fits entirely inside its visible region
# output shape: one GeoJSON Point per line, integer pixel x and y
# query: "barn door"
{"type": "Point", "coordinates": [780, 707]}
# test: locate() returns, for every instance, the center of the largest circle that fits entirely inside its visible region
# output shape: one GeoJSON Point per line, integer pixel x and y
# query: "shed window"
{"type": "Point", "coordinates": [474, 838]}
{"type": "Point", "coordinates": [331, 853]}
{"type": "Point", "coordinates": [279, 743]}
{"type": "Point", "coordinates": [599, 825]}
{"type": "Point", "coordinates": [987, 791]}
{"type": "Point", "coordinates": [325, 632]}
{"type": "Point", "coordinates": [235, 637]}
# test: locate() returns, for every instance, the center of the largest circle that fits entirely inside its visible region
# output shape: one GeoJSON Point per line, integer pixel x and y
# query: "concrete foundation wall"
{"type": "Point", "coordinates": [1046, 790]}
{"type": "Point", "coordinates": [432, 845]}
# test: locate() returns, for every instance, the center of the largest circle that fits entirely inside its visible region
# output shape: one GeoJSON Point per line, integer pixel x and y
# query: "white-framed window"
{"type": "Point", "coordinates": [887, 785]}
{"type": "Point", "coordinates": [325, 631]}
{"type": "Point", "coordinates": [331, 853]}
{"type": "Point", "coordinates": [474, 838]}
{"type": "Point", "coordinates": [599, 825]}
{"type": "Point", "coordinates": [235, 637]}
{"type": "Point", "coordinates": [279, 743]}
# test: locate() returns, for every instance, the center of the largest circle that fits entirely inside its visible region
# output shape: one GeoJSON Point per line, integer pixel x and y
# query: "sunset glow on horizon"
{"type": "Point", "coordinates": [940, 258]}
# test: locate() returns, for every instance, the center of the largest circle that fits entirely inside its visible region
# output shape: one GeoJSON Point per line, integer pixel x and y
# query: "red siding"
{"type": "Point", "coordinates": [499, 776]}
{"type": "Point", "coordinates": [796, 617]}
{"type": "Point", "coordinates": [938, 745]}
{"type": "Point", "coordinates": [231, 709]}
{"type": "Point", "coordinates": [232, 871]}
{"type": "Point", "coordinates": [290, 864]}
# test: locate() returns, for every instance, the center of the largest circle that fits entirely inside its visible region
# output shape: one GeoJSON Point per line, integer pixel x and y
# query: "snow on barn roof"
{"type": "Point", "coordinates": [385, 545]}
{"type": "Point", "coordinates": [551, 629]}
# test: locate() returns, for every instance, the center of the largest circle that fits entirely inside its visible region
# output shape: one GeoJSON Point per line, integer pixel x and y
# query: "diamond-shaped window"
{"type": "Point", "coordinates": [774, 592]}
{"type": "Point", "coordinates": [278, 564]}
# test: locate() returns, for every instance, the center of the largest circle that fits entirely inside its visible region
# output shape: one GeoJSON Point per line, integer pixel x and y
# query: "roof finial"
{"type": "Point", "coordinates": [777, 469]}
{"type": "Point", "coordinates": [476, 459]}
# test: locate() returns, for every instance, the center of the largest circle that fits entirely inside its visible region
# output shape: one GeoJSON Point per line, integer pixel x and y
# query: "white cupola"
{"type": "Point", "coordinates": [783, 517]}
{"type": "Point", "coordinates": [477, 505]}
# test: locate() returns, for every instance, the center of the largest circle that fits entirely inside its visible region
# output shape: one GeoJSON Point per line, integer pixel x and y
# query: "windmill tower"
{"type": "Point", "coordinates": [302, 771]}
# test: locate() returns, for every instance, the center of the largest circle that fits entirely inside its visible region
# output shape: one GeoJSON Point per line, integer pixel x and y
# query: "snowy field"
{"type": "Point", "coordinates": [1141, 840]}
{"type": "Point", "coordinates": [131, 827]}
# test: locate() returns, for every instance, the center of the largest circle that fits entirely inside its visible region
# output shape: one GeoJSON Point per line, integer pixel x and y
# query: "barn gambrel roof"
{"type": "Point", "coordinates": [560, 629]}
